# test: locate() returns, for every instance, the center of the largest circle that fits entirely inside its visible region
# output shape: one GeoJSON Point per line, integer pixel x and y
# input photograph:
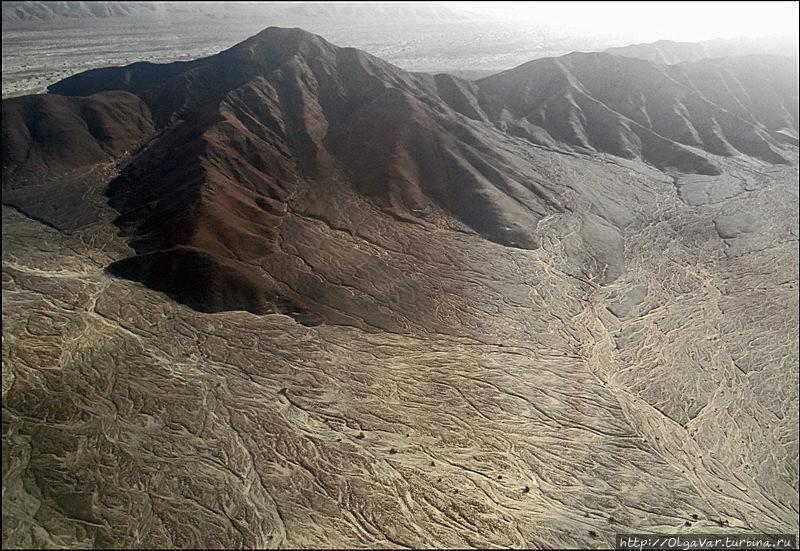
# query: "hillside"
{"type": "Point", "coordinates": [636, 109]}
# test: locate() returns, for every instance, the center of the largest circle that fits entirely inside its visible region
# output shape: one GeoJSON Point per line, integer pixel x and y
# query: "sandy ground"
{"type": "Point", "coordinates": [539, 409]}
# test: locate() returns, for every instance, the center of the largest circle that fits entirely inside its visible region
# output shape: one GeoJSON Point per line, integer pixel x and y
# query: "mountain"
{"type": "Point", "coordinates": [46, 11]}
{"type": "Point", "coordinates": [230, 141]}
{"type": "Point", "coordinates": [636, 109]}
{"type": "Point", "coordinates": [669, 52]}
{"type": "Point", "coordinates": [241, 133]}
{"type": "Point", "coordinates": [46, 136]}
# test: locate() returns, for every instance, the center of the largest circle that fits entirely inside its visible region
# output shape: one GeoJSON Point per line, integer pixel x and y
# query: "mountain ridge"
{"type": "Point", "coordinates": [235, 142]}
{"type": "Point", "coordinates": [578, 90]}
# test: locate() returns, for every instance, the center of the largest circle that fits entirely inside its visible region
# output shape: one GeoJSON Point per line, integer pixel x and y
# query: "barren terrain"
{"type": "Point", "coordinates": [547, 345]}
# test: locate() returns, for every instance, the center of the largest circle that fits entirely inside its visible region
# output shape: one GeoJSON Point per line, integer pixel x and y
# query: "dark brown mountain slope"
{"type": "Point", "coordinates": [45, 136]}
{"type": "Point", "coordinates": [242, 132]}
{"type": "Point", "coordinates": [58, 149]}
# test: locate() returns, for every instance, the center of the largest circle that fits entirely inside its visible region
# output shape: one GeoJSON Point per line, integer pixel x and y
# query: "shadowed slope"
{"type": "Point", "coordinates": [46, 136]}
{"type": "Point", "coordinates": [761, 90]}
{"type": "Point", "coordinates": [244, 131]}
{"type": "Point", "coordinates": [633, 108]}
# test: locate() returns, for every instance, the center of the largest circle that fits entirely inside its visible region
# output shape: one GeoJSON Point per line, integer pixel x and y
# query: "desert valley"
{"type": "Point", "coordinates": [290, 294]}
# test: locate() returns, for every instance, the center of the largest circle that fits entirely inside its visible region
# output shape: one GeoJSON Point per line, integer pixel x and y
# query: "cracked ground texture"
{"type": "Point", "coordinates": [528, 406]}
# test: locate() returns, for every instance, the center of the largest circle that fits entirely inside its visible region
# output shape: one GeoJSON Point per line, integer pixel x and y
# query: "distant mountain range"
{"type": "Point", "coordinates": [54, 11]}
{"type": "Point", "coordinates": [669, 52]}
{"type": "Point", "coordinates": [45, 11]}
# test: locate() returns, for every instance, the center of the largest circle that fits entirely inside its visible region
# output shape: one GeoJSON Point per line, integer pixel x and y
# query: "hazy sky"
{"type": "Point", "coordinates": [649, 21]}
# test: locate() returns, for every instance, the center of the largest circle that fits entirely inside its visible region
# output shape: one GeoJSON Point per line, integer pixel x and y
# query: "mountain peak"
{"type": "Point", "coordinates": [294, 33]}
{"type": "Point", "coordinates": [275, 45]}
{"type": "Point", "coordinates": [286, 37]}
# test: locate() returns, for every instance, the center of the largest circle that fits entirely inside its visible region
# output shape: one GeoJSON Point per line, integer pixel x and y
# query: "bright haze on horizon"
{"type": "Point", "coordinates": [651, 21]}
